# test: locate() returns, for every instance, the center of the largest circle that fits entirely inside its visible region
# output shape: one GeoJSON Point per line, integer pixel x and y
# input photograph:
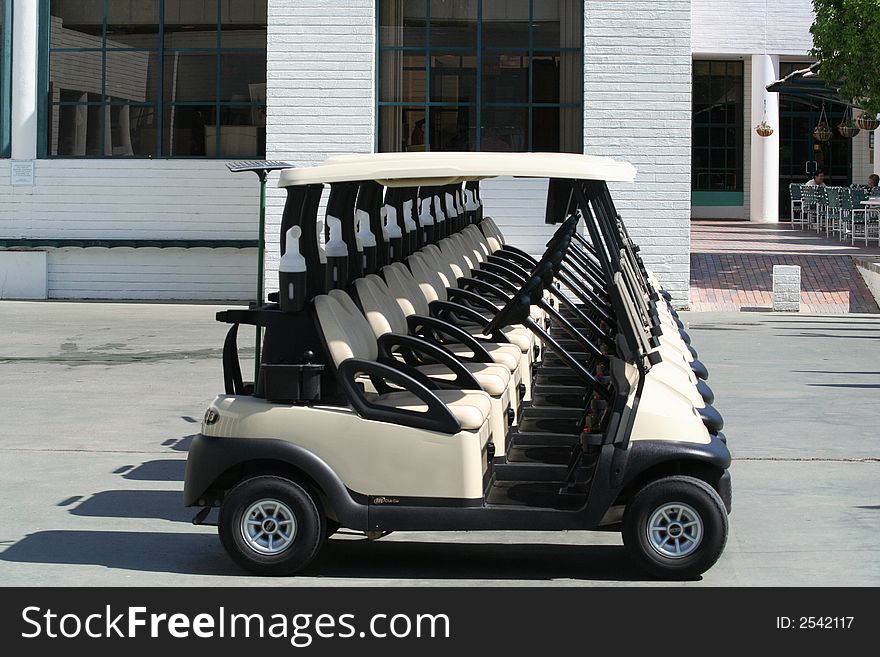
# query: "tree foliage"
{"type": "Point", "coordinates": [846, 38]}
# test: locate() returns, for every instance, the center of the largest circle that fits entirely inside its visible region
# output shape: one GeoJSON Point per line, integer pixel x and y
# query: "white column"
{"type": "Point", "coordinates": [876, 164]}
{"type": "Point", "coordinates": [765, 150]}
{"type": "Point", "coordinates": [25, 28]}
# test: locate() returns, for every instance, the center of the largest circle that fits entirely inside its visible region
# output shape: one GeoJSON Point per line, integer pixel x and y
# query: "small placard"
{"type": "Point", "coordinates": [21, 172]}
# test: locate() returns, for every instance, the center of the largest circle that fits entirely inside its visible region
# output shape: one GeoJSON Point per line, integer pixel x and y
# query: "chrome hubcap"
{"type": "Point", "coordinates": [675, 530]}
{"type": "Point", "coordinates": [268, 526]}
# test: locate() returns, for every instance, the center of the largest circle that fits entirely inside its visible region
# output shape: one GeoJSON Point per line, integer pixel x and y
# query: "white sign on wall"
{"type": "Point", "coordinates": [21, 172]}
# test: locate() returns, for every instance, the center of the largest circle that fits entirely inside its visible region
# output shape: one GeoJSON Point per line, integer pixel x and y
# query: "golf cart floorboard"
{"type": "Point", "coordinates": [539, 494]}
{"type": "Point", "coordinates": [544, 394]}
{"type": "Point", "coordinates": [536, 438]}
{"type": "Point", "coordinates": [555, 455]}
{"type": "Point", "coordinates": [551, 419]}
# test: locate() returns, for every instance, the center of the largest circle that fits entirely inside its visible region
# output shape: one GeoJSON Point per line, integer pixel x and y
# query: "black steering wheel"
{"type": "Point", "coordinates": [518, 308]}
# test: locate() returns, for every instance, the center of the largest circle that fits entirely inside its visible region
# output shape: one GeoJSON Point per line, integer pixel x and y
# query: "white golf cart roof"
{"type": "Point", "coordinates": [415, 169]}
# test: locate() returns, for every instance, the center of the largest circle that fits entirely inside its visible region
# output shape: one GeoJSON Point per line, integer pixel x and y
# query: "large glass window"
{"type": "Point", "coordinates": [717, 161]}
{"type": "Point", "coordinates": [156, 78]}
{"type": "Point", "coordinates": [490, 75]}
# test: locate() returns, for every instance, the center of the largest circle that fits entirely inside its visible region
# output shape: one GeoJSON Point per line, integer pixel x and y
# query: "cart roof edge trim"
{"type": "Point", "coordinates": [443, 168]}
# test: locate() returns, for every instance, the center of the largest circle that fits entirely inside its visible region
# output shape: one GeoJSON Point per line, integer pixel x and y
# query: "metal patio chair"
{"type": "Point", "coordinates": [795, 191]}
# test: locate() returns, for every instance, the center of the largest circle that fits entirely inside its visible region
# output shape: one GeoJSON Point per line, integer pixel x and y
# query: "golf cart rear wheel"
{"type": "Point", "coordinates": [675, 527]}
{"type": "Point", "coordinates": [271, 526]}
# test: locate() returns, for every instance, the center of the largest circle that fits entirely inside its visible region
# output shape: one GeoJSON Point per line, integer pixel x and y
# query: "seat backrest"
{"type": "Point", "coordinates": [379, 306]}
{"type": "Point", "coordinates": [451, 254]}
{"type": "Point", "coordinates": [466, 248]}
{"type": "Point", "coordinates": [427, 277]}
{"type": "Point", "coordinates": [795, 191]}
{"type": "Point", "coordinates": [493, 234]}
{"type": "Point", "coordinates": [478, 240]}
{"type": "Point", "coordinates": [830, 198]}
{"type": "Point", "coordinates": [346, 331]}
{"type": "Point", "coordinates": [443, 265]}
{"type": "Point", "coordinates": [405, 289]}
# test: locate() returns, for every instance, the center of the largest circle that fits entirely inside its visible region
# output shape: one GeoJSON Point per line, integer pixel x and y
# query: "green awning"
{"type": "Point", "coordinates": [806, 83]}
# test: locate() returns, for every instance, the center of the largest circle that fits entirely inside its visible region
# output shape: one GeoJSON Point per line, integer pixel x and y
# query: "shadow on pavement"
{"type": "Point", "coordinates": [179, 444]}
{"type": "Point", "coordinates": [201, 554]}
{"type": "Point", "coordinates": [158, 470]}
{"type": "Point", "coordinates": [829, 372]}
{"type": "Point", "coordinates": [828, 336]}
{"type": "Point", "coordinates": [195, 553]}
{"type": "Point", "coordinates": [495, 561]}
{"type": "Point", "coordinates": [161, 504]}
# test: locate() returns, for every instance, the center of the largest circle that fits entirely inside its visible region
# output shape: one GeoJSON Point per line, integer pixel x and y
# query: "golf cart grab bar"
{"type": "Point", "coordinates": [437, 418]}
{"type": "Point", "coordinates": [459, 294]}
{"type": "Point", "coordinates": [414, 346]}
{"type": "Point", "coordinates": [446, 309]}
{"type": "Point", "coordinates": [416, 323]}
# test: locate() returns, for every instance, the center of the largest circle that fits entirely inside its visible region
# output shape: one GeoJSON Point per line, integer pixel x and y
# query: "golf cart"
{"type": "Point", "coordinates": [417, 372]}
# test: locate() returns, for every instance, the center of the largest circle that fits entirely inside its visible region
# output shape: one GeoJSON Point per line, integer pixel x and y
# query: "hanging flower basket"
{"type": "Point", "coordinates": [764, 129]}
{"type": "Point", "coordinates": [822, 132]}
{"type": "Point", "coordinates": [848, 130]}
{"type": "Point", "coordinates": [867, 122]}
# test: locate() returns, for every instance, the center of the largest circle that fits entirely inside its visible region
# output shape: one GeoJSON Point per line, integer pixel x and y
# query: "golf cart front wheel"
{"type": "Point", "coordinates": [675, 527]}
{"type": "Point", "coordinates": [271, 526]}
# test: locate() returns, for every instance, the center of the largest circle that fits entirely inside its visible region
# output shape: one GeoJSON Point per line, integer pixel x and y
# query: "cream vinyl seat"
{"type": "Point", "coordinates": [433, 289]}
{"type": "Point", "coordinates": [448, 269]}
{"type": "Point", "coordinates": [348, 335]}
{"type": "Point", "coordinates": [465, 251]}
{"type": "Point", "coordinates": [470, 407]}
{"type": "Point", "coordinates": [385, 316]}
{"type": "Point", "coordinates": [406, 291]}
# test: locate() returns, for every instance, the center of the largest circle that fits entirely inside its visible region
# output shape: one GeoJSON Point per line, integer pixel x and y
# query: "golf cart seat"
{"type": "Point", "coordinates": [407, 292]}
{"type": "Point", "coordinates": [432, 286]}
{"type": "Point", "coordinates": [386, 318]}
{"type": "Point", "coordinates": [348, 337]}
{"type": "Point", "coordinates": [470, 407]}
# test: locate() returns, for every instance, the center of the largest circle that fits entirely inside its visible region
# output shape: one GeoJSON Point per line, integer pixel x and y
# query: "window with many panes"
{"type": "Point", "coordinates": [155, 78]}
{"type": "Point", "coordinates": [490, 75]}
{"type": "Point", "coordinates": [717, 156]}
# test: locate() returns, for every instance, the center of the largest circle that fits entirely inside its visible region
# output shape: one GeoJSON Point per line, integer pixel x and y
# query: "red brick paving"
{"type": "Point", "coordinates": [732, 268]}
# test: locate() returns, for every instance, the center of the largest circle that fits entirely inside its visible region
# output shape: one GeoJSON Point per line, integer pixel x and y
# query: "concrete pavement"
{"type": "Point", "coordinates": [97, 401]}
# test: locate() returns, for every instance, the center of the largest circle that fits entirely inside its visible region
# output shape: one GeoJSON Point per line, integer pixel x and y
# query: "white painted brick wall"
{"type": "Point", "coordinates": [637, 88]}
{"type": "Point", "coordinates": [862, 166]}
{"type": "Point", "coordinates": [137, 199]}
{"type": "Point", "coordinates": [320, 90]}
{"type": "Point", "coordinates": [780, 27]}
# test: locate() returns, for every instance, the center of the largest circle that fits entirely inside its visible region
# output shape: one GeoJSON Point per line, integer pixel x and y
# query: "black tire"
{"type": "Point", "coordinates": [310, 525]}
{"type": "Point", "coordinates": [701, 498]}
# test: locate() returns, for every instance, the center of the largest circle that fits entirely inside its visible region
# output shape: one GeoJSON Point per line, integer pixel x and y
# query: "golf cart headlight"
{"type": "Point", "coordinates": [211, 416]}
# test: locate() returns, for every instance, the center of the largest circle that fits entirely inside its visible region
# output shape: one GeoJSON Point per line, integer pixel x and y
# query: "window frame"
{"type": "Point", "coordinates": [160, 105]}
{"type": "Point", "coordinates": [738, 125]}
{"type": "Point", "coordinates": [6, 80]}
{"type": "Point", "coordinates": [478, 104]}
